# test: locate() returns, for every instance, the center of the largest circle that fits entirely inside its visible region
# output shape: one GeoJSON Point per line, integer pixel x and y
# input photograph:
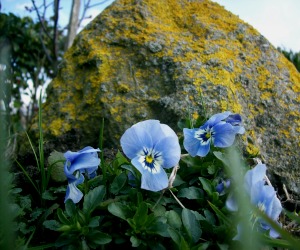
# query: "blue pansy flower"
{"type": "Point", "coordinates": [220, 130]}
{"type": "Point", "coordinates": [151, 146]}
{"type": "Point", "coordinates": [261, 195]}
{"type": "Point", "coordinates": [222, 186]}
{"type": "Point", "coordinates": [85, 161]}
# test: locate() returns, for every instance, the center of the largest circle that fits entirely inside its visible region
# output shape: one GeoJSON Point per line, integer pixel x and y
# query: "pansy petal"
{"type": "Point", "coordinates": [273, 233]}
{"type": "Point", "coordinates": [255, 175]}
{"type": "Point", "coordinates": [153, 180]}
{"type": "Point", "coordinates": [223, 135]}
{"type": "Point", "coordinates": [69, 155]}
{"type": "Point", "coordinates": [190, 143]}
{"type": "Point", "coordinates": [276, 209]}
{"type": "Point", "coordinates": [217, 118]}
{"type": "Point", "coordinates": [231, 203]}
{"type": "Point", "coordinates": [82, 162]}
{"type": "Point", "coordinates": [72, 191]}
{"type": "Point", "coordinates": [139, 136]}
{"type": "Point", "coordinates": [169, 149]}
{"type": "Point", "coordinates": [168, 132]}
{"type": "Point", "coordinates": [234, 119]}
{"type": "Point", "coordinates": [203, 149]}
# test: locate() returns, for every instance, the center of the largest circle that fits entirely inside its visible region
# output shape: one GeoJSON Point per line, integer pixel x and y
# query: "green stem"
{"type": "Point", "coordinates": [41, 147]}
{"type": "Point", "coordinates": [28, 177]}
{"type": "Point", "coordinates": [102, 164]}
{"type": "Point", "coordinates": [176, 199]}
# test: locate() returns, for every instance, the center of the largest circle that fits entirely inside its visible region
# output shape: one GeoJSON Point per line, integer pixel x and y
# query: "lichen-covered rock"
{"type": "Point", "coordinates": [144, 59]}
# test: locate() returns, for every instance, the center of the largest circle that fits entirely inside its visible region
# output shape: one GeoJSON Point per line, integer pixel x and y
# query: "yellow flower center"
{"type": "Point", "coordinates": [149, 159]}
{"type": "Point", "coordinates": [207, 135]}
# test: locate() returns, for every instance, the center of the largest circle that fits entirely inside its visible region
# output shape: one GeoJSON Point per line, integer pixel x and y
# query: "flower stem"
{"type": "Point", "coordinates": [176, 199]}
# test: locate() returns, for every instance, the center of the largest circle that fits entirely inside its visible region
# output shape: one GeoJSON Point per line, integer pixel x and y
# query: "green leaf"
{"type": "Point", "coordinates": [202, 246]}
{"type": "Point", "coordinates": [221, 157]}
{"type": "Point", "coordinates": [135, 242]}
{"type": "Point", "coordinates": [211, 169]}
{"type": "Point", "coordinates": [98, 238]}
{"type": "Point", "coordinates": [118, 183]}
{"type": "Point", "coordinates": [121, 159]}
{"type": "Point", "coordinates": [48, 196]}
{"type": "Point", "coordinates": [191, 225]}
{"type": "Point", "coordinates": [209, 217]}
{"type": "Point", "coordinates": [178, 239]}
{"type": "Point", "coordinates": [206, 185]}
{"type": "Point", "coordinates": [220, 215]}
{"type": "Point", "coordinates": [120, 210]}
{"type": "Point", "coordinates": [223, 246]}
{"type": "Point", "coordinates": [158, 227]}
{"type": "Point", "coordinates": [70, 208]}
{"type": "Point", "coordinates": [173, 219]}
{"type": "Point", "coordinates": [94, 222]}
{"type": "Point", "coordinates": [140, 216]}
{"type": "Point", "coordinates": [93, 199]}
{"type": "Point", "coordinates": [190, 193]}
{"type": "Point", "coordinates": [52, 224]}
{"type": "Point", "coordinates": [62, 217]}
{"type": "Point", "coordinates": [178, 181]}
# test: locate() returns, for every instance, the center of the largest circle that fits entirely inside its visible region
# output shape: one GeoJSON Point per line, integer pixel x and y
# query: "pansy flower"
{"type": "Point", "coordinates": [151, 146]}
{"type": "Point", "coordinates": [262, 196]}
{"type": "Point", "coordinates": [220, 130]}
{"type": "Point", "coordinates": [85, 161]}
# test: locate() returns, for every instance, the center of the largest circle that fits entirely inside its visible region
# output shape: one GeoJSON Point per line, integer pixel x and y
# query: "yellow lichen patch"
{"type": "Point", "coordinates": [284, 132]}
{"type": "Point", "coordinates": [252, 150]}
{"type": "Point", "coordinates": [266, 95]}
{"type": "Point", "coordinates": [70, 109]}
{"type": "Point", "coordinates": [123, 88]}
{"type": "Point", "coordinates": [58, 126]}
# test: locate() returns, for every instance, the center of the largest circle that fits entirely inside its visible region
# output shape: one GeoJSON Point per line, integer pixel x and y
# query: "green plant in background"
{"type": "Point", "coordinates": [31, 59]}
{"type": "Point", "coordinates": [162, 199]}
{"type": "Point", "coordinates": [189, 212]}
{"type": "Point", "coordinates": [292, 56]}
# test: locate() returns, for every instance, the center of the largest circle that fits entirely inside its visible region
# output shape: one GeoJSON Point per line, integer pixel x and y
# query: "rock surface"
{"type": "Point", "coordinates": [164, 59]}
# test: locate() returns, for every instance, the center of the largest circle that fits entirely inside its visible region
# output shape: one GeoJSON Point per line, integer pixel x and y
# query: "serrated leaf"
{"type": "Point", "coordinates": [93, 199]}
{"type": "Point", "coordinates": [191, 225]}
{"type": "Point", "coordinates": [211, 169]}
{"type": "Point", "coordinates": [118, 183]}
{"type": "Point", "coordinates": [48, 196]}
{"type": "Point", "coordinates": [52, 224]}
{"type": "Point", "coordinates": [190, 193]}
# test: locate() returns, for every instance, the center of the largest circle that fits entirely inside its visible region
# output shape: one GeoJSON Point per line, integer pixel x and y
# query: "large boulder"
{"type": "Point", "coordinates": [142, 59]}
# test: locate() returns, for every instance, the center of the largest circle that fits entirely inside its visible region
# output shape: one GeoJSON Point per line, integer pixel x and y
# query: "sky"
{"type": "Point", "coordinates": [277, 20]}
